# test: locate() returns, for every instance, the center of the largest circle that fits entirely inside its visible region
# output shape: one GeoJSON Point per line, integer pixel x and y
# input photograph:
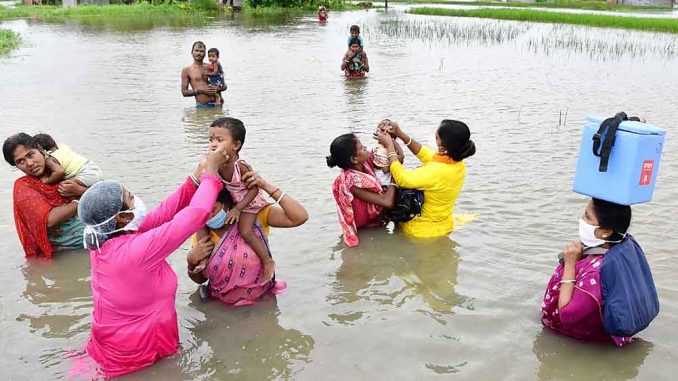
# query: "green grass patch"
{"type": "Point", "coordinates": [9, 40]}
{"type": "Point", "coordinates": [604, 21]}
{"type": "Point", "coordinates": [597, 5]}
{"type": "Point", "coordinates": [120, 10]}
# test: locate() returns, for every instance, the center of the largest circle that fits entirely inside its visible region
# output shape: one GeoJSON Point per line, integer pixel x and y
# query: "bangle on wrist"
{"type": "Point", "coordinates": [391, 154]}
{"type": "Point", "coordinates": [568, 281]}
{"type": "Point", "coordinates": [194, 179]}
{"type": "Point", "coordinates": [274, 192]}
{"type": "Point", "coordinates": [408, 142]}
{"type": "Point", "coordinates": [277, 202]}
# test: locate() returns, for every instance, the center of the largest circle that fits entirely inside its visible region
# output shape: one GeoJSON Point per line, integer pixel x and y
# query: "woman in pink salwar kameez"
{"type": "Point", "coordinates": [573, 301]}
{"type": "Point", "coordinates": [134, 321]}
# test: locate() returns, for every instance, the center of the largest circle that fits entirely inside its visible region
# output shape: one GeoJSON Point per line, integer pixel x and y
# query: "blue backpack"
{"type": "Point", "coordinates": [630, 295]}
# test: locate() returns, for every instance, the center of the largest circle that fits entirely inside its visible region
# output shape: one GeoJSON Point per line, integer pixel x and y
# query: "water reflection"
{"type": "Point", "coordinates": [354, 91]}
{"type": "Point", "coordinates": [196, 122]}
{"type": "Point", "coordinates": [61, 290]}
{"type": "Point", "coordinates": [394, 270]}
{"type": "Point", "coordinates": [245, 343]}
{"type": "Point", "coordinates": [562, 358]}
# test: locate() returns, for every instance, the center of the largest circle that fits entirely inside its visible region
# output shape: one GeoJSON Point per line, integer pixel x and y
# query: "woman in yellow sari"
{"type": "Point", "coordinates": [440, 176]}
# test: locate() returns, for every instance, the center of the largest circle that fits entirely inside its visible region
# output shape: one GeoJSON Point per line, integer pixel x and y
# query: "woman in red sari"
{"type": "Point", "coordinates": [43, 215]}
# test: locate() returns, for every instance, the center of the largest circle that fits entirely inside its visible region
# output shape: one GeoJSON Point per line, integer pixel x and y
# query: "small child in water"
{"type": "Point", "coordinates": [215, 73]}
{"type": "Point", "coordinates": [248, 201]}
{"type": "Point", "coordinates": [355, 33]}
{"type": "Point", "coordinates": [63, 163]}
{"type": "Point", "coordinates": [355, 62]}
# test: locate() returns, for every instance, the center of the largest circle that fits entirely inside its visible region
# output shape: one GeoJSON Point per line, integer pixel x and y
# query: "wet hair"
{"type": "Point", "coordinates": [342, 150]}
{"type": "Point", "coordinates": [213, 50]}
{"type": "Point", "coordinates": [354, 28]}
{"type": "Point", "coordinates": [456, 138]}
{"type": "Point", "coordinates": [234, 126]}
{"type": "Point", "coordinates": [612, 216]}
{"type": "Point", "coordinates": [46, 142]}
{"type": "Point", "coordinates": [14, 141]}
{"type": "Point", "coordinates": [354, 41]}
{"type": "Point", "coordinates": [197, 43]}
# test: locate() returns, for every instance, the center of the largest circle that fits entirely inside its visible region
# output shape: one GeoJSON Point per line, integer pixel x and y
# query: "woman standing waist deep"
{"type": "Point", "coordinates": [441, 175]}
{"type": "Point", "coordinates": [134, 322]}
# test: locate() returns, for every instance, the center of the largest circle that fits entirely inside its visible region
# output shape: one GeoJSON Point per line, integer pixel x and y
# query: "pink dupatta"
{"type": "Point", "coordinates": [341, 189]}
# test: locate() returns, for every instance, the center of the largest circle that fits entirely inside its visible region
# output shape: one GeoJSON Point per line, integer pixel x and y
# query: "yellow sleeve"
{"type": "Point", "coordinates": [262, 216]}
{"type": "Point", "coordinates": [418, 178]}
{"type": "Point", "coordinates": [425, 154]}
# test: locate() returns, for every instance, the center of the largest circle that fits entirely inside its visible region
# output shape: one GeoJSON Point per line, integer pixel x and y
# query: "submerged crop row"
{"type": "Point", "coordinates": [606, 21]}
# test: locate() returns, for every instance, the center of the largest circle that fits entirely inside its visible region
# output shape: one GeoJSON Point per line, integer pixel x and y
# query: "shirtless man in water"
{"type": "Point", "coordinates": [203, 92]}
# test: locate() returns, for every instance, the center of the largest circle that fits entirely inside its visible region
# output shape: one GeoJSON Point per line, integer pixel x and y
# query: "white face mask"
{"type": "Point", "coordinates": [139, 211]}
{"type": "Point", "coordinates": [587, 235]}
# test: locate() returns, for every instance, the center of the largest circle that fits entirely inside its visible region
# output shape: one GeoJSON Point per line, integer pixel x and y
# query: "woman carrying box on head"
{"type": "Point", "coordinates": [588, 298]}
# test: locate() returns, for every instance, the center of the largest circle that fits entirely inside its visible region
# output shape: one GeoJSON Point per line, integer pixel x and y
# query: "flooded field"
{"type": "Point", "coordinates": [464, 307]}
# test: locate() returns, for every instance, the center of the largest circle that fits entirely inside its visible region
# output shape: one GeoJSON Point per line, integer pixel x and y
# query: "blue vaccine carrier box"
{"type": "Point", "coordinates": [633, 163]}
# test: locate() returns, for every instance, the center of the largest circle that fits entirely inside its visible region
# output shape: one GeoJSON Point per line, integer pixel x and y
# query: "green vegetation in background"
{"type": "Point", "coordinates": [170, 9]}
{"type": "Point", "coordinates": [605, 21]}
{"type": "Point", "coordinates": [119, 10]}
{"type": "Point", "coordinates": [9, 40]}
{"type": "Point", "coordinates": [599, 5]}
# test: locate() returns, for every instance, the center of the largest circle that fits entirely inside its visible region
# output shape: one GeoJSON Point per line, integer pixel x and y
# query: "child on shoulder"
{"type": "Point", "coordinates": [355, 33]}
{"type": "Point", "coordinates": [247, 201]}
{"type": "Point", "coordinates": [215, 74]}
{"type": "Point", "coordinates": [63, 163]}
{"type": "Point", "coordinates": [355, 62]}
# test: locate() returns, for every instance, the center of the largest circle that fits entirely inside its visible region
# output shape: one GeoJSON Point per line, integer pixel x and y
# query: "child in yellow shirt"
{"type": "Point", "coordinates": [63, 163]}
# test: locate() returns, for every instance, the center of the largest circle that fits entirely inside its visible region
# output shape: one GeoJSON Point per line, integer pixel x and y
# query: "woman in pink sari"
{"type": "Point", "coordinates": [233, 269]}
{"type": "Point", "coordinates": [573, 301]}
{"type": "Point", "coordinates": [359, 196]}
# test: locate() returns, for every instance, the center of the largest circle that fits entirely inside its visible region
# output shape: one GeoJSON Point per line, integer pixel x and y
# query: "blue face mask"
{"type": "Point", "coordinates": [218, 221]}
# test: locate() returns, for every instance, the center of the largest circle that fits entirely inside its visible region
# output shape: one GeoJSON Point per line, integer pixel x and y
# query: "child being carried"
{"type": "Point", "coordinates": [381, 164]}
{"type": "Point", "coordinates": [248, 201]}
{"type": "Point", "coordinates": [62, 163]}
{"type": "Point", "coordinates": [215, 74]}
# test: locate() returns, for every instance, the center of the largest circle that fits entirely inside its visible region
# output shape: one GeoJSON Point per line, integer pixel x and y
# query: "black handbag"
{"type": "Point", "coordinates": [408, 204]}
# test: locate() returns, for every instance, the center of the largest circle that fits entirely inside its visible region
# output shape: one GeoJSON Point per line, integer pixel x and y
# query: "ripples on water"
{"type": "Point", "coordinates": [393, 308]}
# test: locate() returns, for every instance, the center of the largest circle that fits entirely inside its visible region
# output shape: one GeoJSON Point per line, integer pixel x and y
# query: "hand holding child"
{"type": "Point", "coordinates": [385, 139]}
{"type": "Point", "coordinates": [199, 254]}
{"type": "Point", "coordinates": [71, 189]}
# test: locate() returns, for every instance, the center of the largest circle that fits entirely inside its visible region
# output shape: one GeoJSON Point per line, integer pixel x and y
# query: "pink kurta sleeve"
{"type": "Point", "coordinates": [580, 306]}
{"type": "Point", "coordinates": [169, 207]}
{"type": "Point", "coordinates": [158, 243]}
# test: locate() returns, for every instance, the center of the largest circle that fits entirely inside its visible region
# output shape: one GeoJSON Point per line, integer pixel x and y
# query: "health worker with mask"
{"type": "Point", "coordinates": [588, 288]}
{"type": "Point", "coordinates": [134, 322]}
